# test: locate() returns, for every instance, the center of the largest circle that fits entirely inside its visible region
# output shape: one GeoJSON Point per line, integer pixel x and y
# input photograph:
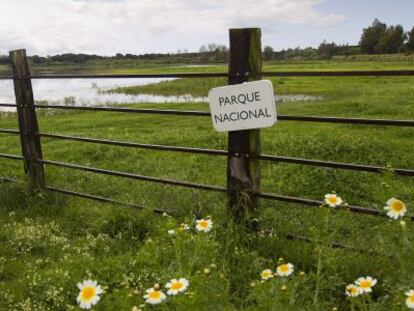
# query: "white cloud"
{"type": "Point", "coordinates": [139, 26]}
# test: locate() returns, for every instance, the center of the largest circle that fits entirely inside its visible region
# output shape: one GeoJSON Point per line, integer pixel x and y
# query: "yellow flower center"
{"type": "Point", "coordinates": [411, 298]}
{"type": "Point", "coordinates": [154, 295]}
{"type": "Point", "coordinates": [365, 284]}
{"type": "Point", "coordinates": [177, 285]}
{"type": "Point", "coordinates": [284, 268]}
{"type": "Point", "coordinates": [352, 290]}
{"type": "Point", "coordinates": [332, 199]}
{"type": "Point", "coordinates": [397, 206]}
{"type": "Point", "coordinates": [203, 223]}
{"type": "Point", "coordinates": [88, 293]}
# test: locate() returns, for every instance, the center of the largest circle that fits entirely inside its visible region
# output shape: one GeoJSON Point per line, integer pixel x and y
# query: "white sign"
{"type": "Point", "coordinates": [249, 105]}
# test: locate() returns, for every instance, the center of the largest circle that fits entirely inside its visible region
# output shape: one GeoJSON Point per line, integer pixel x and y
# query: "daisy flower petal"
{"type": "Point", "coordinates": [154, 296]}
{"type": "Point", "coordinates": [204, 225]}
{"type": "Point", "coordinates": [333, 200]}
{"type": "Point", "coordinates": [366, 283]}
{"type": "Point", "coordinates": [284, 269]}
{"type": "Point", "coordinates": [410, 299]}
{"type": "Point", "coordinates": [266, 274]}
{"type": "Point", "coordinates": [396, 208]}
{"type": "Point", "coordinates": [177, 286]}
{"type": "Point", "coordinates": [89, 294]}
{"type": "Point", "coordinates": [352, 290]}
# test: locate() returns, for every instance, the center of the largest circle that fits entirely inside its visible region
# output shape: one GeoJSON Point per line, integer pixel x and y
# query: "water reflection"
{"type": "Point", "coordinates": [91, 92]}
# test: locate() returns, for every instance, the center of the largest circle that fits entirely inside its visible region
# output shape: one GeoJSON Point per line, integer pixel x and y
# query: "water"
{"type": "Point", "coordinates": [195, 65]}
{"type": "Point", "coordinates": [91, 92]}
{"type": "Point", "coordinates": [297, 98]}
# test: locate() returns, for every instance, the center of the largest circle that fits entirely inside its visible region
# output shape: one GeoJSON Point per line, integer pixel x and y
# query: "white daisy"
{"type": "Point", "coordinates": [366, 284]}
{"type": "Point", "coordinates": [204, 225]}
{"type": "Point", "coordinates": [352, 290]}
{"type": "Point", "coordinates": [171, 232]}
{"type": "Point", "coordinates": [284, 270]}
{"type": "Point", "coordinates": [89, 294]}
{"type": "Point", "coordinates": [410, 300]}
{"type": "Point", "coordinates": [177, 286]}
{"type": "Point", "coordinates": [332, 200]}
{"type": "Point", "coordinates": [266, 274]}
{"type": "Point", "coordinates": [396, 208]}
{"type": "Point", "coordinates": [154, 296]}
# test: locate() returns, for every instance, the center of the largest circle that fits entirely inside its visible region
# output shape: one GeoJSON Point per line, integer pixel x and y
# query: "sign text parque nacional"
{"type": "Point", "coordinates": [249, 105]}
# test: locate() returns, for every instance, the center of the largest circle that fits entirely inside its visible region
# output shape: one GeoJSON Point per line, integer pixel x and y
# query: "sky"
{"type": "Point", "coordinates": [107, 27]}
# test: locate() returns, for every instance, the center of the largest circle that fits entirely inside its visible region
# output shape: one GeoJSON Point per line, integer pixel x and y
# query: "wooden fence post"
{"type": "Point", "coordinates": [26, 113]}
{"type": "Point", "coordinates": [243, 168]}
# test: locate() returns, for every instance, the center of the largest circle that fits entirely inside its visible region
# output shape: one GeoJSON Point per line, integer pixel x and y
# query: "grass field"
{"type": "Point", "coordinates": [50, 242]}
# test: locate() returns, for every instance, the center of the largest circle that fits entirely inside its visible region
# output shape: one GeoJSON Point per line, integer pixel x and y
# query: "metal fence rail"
{"type": "Point", "coordinates": [135, 176]}
{"type": "Point", "coordinates": [350, 73]}
{"type": "Point", "coordinates": [10, 131]}
{"type": "Point", "coordinates": [354, 73]}
{"type": "Point", "coordinates": [264, 195]}
{"type": "Point", "coordinates": [265, 157]}
{"type": "Point", "coordinates": [11, 156]}
{"type": "Point", "coordinates": [360, 121]}
{"type": "Point", "coordinates": [213, 188]}
{"type": "Point", "coordinates": [136, 145]}
{"type": "Point", "coordinates": [317, 203]}
{"type": "Point", "coordinates": [99, 198]}
{"type": "Point", "coordinates": [338, 165]}
{"type": "Point", "coordinates": [129, 110]}
{"type": "Point", "coordinates": [8, 105]}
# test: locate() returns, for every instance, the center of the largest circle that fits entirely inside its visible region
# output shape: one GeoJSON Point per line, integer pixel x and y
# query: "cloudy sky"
{"type": "Point", "coordinates": [106, 27]}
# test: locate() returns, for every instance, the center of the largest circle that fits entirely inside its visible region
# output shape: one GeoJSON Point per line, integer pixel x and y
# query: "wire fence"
{"type": "Point", "coordinates": [213, 152]}
{"type": "Point", "coordinates": [263, 157]}
{"type": "Point", "coordinates": [31, 136]}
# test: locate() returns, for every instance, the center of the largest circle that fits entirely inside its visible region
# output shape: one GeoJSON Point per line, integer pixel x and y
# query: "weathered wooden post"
{"type": "Point", "coordinates": [243, 168]}
{"type": "Point", "coordinates": [26, 113]}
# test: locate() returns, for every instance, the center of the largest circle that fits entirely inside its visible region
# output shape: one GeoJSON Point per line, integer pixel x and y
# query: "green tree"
{"type": "Point", "coordinates": [410, 43]}
{"type": "Point", "coordinates": [371, 36]}
{"type": "Point", "coordinates": [326, 50]}
{"type": "Point", "coordinates": [38, 59]}
{"type": "Point", "coordinates": [392, 41]}
{"type": "Point", "coordinates": [4, 60]}
{"type": "Point", "coordinates": [268, 52]}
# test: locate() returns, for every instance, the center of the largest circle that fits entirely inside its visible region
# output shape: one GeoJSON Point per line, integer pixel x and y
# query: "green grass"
{"type": "Point", "coordinates": [349, 87]}
{"type": "Point", "coordinates": [51, 242]}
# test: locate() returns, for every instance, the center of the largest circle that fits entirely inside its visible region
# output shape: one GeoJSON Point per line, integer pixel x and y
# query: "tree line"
{"type": "Point", "coordinates": [375, 39]}
{"type": "Point", "coordinates": [212, 53]}
{"type": "Point", "coordinates": [380, 39]}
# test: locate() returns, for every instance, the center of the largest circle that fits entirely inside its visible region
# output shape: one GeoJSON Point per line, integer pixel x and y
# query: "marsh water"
{"type": "Point", "coordinates": [93, 92]}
